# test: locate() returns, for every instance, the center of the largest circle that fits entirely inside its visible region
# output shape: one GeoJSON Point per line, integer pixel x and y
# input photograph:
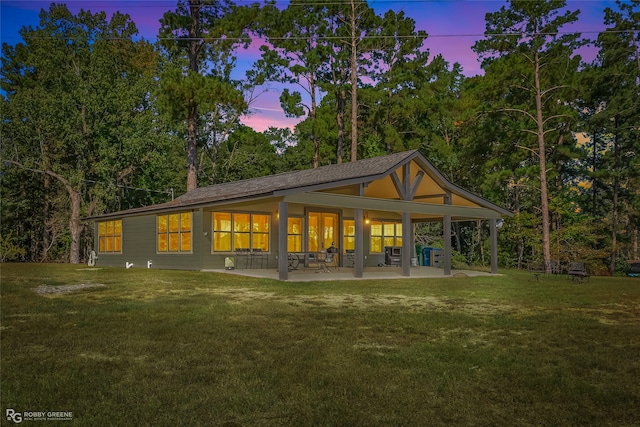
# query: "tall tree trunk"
{"type": "Point", "coordinates": [75, 228]}
{"type": "Point", "coordinates": [354, 85]}
{"type": "Point", "coordinates": [637, 51]}
{"type": "Point", "coordinates": [544, 197]}
{"type": "Point", "coordinates": [594, 185]}
{"type": "Point", "coordinates": [614, 227]}
{"type": "Point", "coordinates": [340, 104]}
{"type": "Point", "coordinates": [46, 232]}
{"type": "Point", "coordinates": [456, 230]}
{"type": "Point", "coordinates": [192, 114]}
{"type": "Point", "coordinates": [522, 243]}
{"type": "Point", "coordinates": [192, 147]}
{"type": "Point", "coordinates": [616, 191]}
{"type": "Point", "coordinates": [480, 245]}
{"type": "Point", "coordinates": [314, 121]}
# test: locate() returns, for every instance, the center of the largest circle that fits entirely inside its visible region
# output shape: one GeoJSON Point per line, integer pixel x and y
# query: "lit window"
{"type": "Point", "coordinates": [174, 232]}
{"type": "Point", "coordinates": [385, 233]}
{"type": "Point", "coordinates": [241, 231]}
{"type": "Point", "coordinates": [235, 231]}
{"type": "Point", "coordinates": [110, 236]}
{"type": "Point", "coordinates": [349, 226]}
{"type": "Point", "coordinates": [260, 232]}
{"type": "Point", "coordinates": [294, 235]}
{"type": "Point", "coordinates": [221, 232]}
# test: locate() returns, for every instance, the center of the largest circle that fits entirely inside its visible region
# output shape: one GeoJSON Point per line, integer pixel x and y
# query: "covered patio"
{"type": "Point", "coordinates": [347, 273]}
{"type": "Point", "coordinates": [407, 187]}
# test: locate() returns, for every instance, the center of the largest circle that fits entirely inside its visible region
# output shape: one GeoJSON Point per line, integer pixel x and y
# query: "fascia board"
{"type": "Point", "coordinates": [369, 203]}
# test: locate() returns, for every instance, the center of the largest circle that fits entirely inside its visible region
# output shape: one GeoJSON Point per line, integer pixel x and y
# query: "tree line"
{"type": "Point", "coordinates": [96, 119]}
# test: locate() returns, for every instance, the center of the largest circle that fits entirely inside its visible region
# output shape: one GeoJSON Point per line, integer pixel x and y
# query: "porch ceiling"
{"type": "Point", "coordinates": [370, 203]}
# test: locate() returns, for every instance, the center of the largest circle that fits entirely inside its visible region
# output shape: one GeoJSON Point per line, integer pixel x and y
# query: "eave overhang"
{"type": "Point", "coordinates": [369, 203]}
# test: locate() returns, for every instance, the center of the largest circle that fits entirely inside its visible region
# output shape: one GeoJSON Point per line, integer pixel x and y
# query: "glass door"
{"type": "Point", "coordinates": [323, 231]}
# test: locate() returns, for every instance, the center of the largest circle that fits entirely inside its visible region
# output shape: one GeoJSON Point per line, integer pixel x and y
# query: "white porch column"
{"type": "Point", "coordinates": [493, 233]}
{"type": "Point", "coordinates": [283, 260]}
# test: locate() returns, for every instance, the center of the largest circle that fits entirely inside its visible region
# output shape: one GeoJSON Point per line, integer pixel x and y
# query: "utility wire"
{"type": "Point", "coordinates": [371, 37]}
{"type": "Point", "coordinates": [170, 192]}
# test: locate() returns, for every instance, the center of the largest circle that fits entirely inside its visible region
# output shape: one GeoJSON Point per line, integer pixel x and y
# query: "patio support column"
{"type": "Point", "coordinates": [406, 244]}
{"type": "Point", "coordinates": [358, 262]}
{"type": "Point", "coordinates": [283, 260]}
{"type": "Point", "coordinates": [493, 233]}
{"type": "Point", "coordinates": [447, 237]}
{"type": "Point", "coordinates": [447, 245]}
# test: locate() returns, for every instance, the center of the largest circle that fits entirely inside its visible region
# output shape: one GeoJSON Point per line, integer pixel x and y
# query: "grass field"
{"type": "Point", "coordinates": [174, 348]}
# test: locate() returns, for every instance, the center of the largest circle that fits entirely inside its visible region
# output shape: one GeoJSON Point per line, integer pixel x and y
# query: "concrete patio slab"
{"type": "Point", "coordinates": [346, 273]}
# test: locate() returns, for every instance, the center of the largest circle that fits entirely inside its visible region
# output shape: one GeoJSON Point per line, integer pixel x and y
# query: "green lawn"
{"type": "Point", "coordinates": [173, 348]}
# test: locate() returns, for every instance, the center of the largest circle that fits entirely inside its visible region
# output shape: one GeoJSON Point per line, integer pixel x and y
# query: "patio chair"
{"type": "Point", "coordinates": [324, 260]}
{"type": "Point", "coordinates": [556, 267]}
{"type": "Point", "coordinates": [578, 271]}
{"type": "Point", "coordinates": [257, 254]}
{"type": "Point", "coordinates": [242, 257]}
{"type": "Point", "coordinates": [536, 269]}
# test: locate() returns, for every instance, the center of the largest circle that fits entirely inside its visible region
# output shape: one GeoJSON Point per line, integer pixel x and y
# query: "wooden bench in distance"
{"type": "Point", "coordinates": [578, 271]}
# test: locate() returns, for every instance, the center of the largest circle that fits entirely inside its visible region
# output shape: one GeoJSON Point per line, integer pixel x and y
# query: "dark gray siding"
{"type": "Point", "coordinates": [139, 235]}
{"type": "Point", "coordinates": [217, 261]}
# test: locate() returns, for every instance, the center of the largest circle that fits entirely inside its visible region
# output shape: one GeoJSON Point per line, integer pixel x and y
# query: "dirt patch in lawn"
{"type": "Point", "coordinates": [65, 289]}
{"type": "Point", "coordinates": [411, 303]}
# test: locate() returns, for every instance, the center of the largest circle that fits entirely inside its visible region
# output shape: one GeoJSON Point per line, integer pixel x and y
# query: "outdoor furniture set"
{"type": "Point", "coordinates": [251, 258]}
{"type": "Point", "coordinates": [577, 271]}
{"type": "Point", "coordinates": [323, 260]}
{"type": "Point", "coordinates": [634, 268]}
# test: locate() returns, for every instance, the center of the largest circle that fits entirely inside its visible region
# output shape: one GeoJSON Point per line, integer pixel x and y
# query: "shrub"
{"type": "Point", "coordinates": [9, 250]}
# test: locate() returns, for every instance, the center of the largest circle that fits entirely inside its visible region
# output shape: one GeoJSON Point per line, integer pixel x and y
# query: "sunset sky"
{"type": "Point", "coordinates": [453, 27]}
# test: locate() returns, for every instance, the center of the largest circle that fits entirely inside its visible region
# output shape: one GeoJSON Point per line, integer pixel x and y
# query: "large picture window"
{"type": "Point", "coordinates": [110, 236]}
{"type": "Point", "coordinates": [236, 231]}
{"type": "Point", "coordinates": [385, 233]}
{"type": "Point", "coordinates": [174, 232]}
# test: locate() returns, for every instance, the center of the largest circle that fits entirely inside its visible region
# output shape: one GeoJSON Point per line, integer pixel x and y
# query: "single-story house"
{"type": "Point", "coordinates": [363, 209]}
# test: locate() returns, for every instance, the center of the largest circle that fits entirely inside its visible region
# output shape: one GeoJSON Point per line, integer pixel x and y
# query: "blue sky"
{"type": "Point", "coordinates": [453, 27]}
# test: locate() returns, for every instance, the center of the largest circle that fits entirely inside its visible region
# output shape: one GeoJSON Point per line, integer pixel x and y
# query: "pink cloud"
{"type": "Point", "coordinates": [261, 120]}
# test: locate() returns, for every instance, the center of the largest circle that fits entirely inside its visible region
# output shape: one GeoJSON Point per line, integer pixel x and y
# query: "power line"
{"type": "Point", "coordinates": [165, 3]}
{"type": "Point", "coordinates": [369, 37]}
{"type": "Point", "coordinates": [170, 191]}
